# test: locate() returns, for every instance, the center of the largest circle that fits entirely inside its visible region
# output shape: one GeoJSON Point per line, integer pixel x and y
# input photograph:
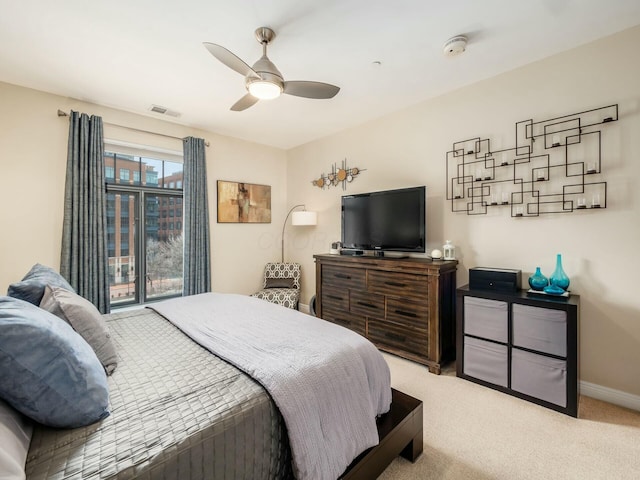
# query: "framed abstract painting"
{"type": "Point", "coordinates": [240, 202]}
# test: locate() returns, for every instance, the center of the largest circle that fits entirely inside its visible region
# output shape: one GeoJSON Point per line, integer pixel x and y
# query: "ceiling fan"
{"type": "Point", "coordinates": [264, 81]}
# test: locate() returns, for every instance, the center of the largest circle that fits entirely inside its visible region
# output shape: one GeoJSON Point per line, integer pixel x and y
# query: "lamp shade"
{"type": "Point", "coordinates": [304, 218]}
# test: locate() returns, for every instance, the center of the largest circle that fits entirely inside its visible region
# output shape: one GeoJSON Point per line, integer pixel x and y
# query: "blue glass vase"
{"type": "Point", "coordinates": [538, 281]}
{"type": "Point", "coordinates": [558, 277]}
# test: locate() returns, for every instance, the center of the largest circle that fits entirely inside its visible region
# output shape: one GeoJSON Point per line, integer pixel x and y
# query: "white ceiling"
{"type": "Point", "coordinates": [130, 54]}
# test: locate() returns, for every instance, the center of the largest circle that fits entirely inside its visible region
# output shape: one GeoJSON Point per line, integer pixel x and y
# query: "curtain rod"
{"type": "Point", "coordinates": [65, 114]}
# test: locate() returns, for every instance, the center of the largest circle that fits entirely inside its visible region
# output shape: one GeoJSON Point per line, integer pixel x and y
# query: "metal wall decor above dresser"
{"type": "Point", "coordinates": [405, 306]}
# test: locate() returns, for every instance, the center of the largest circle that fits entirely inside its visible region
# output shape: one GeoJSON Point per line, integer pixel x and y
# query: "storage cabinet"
{"type": "Point", "coordinates": [405, 306]}
{"type": "Point", "coordinates": [522, 344]}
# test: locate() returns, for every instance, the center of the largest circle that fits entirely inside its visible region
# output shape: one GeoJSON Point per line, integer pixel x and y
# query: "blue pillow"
{"type": "Point", "coordinates": [31, 287]}
{"type": "Point", "coordinates": [47, 371]}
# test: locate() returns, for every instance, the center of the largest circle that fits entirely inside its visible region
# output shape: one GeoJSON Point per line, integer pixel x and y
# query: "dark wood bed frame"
{"type": "Point", "coordinates": [400, 432]}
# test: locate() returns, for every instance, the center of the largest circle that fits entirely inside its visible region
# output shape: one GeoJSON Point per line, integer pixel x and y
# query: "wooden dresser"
{"type": "Point", "coordinates": [405, 306]}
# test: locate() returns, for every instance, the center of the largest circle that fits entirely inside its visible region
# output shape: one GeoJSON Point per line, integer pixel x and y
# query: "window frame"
{"type": "Point", "coordinates": [139, 248]}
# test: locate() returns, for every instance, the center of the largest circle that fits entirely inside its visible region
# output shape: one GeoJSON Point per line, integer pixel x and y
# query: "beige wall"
{"type": "Point", "coordinates": [408, 148]}
{"type": "Point", "coordinates": [33, 149]}
{"type": "Point", "coordinates": [600, 248]}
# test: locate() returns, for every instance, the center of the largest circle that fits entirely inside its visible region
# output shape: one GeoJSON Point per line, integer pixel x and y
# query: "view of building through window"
{"type": "Point", "coordinates": [144, 228]}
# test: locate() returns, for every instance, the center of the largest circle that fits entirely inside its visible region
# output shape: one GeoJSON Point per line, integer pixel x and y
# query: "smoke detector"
{"type": "Point", "coordinates": [455, 45]}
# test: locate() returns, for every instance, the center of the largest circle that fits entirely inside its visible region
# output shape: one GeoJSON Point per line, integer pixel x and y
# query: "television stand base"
{"type": "Point", "coordinates": [352, 253]}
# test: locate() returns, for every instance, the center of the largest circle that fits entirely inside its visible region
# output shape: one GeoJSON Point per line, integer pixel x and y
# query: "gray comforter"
{"type": "Point", "coordinates": [329, 383]}
{"type": "Point", "coordinates": [177, 413]}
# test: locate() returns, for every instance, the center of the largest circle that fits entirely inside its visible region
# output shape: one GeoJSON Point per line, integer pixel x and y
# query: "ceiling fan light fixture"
{"type": "Point", "coordinates": [264, 90]}
{"type": "Point", "coordinates": [264, 81]}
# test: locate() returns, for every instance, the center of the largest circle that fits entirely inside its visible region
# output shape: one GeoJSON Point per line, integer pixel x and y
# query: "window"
{"type": "Point", "coordinates": [152, 178]}
{"type": "Point", "coordinates": [145, 257]}
{"type": "Point", "coordinates": [109, 173]}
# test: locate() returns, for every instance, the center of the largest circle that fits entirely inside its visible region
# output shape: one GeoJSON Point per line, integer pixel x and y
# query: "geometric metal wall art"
{"type": "Point", "coordinates": [554, 167]}
{"type": "Point", "coordinates": [337, 176]}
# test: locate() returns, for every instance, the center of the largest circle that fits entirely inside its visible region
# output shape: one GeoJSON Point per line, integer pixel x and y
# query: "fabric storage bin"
{"type": "Point", "coordinates": [485, 361]}
{"type": "Point", "coordinates": [486, 318]}
{"type": "Point", "coordinates": [541, 329]}
{"type": "Point", "coordinates": [539, 376]}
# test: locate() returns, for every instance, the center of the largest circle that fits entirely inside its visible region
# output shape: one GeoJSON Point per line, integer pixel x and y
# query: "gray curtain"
{"type": "Point", "coordinates": [83, 261]}
{"type": "Point", "coordinates": [197, 259]}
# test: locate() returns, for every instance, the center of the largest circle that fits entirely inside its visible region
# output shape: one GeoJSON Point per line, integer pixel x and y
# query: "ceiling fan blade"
{"type": "Point", "coordinates": [244, 103]}
{"type": "Point", "coordinates": [229, 59]}
{"type": "Point", "coordinates": [310, 89]}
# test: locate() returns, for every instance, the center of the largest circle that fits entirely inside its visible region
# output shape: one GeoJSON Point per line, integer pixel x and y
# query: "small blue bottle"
{"type": "Point", "coordinates": [558, 277]}
{"type": "Point", "coordinates": [538, 281]}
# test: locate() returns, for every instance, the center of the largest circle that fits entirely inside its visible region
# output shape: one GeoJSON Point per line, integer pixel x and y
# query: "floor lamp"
{"type": "Point", "coordinates": [298, 219]}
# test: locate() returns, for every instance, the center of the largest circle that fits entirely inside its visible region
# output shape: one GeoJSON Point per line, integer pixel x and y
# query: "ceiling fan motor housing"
{"type": "Point", "coordinates": [267, 71]}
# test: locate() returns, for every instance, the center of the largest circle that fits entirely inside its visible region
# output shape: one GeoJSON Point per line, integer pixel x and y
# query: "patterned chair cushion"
{"type": "Point", "coordinates": [275, 275]}
{"type": "Point", "coordinates": [287, 297]}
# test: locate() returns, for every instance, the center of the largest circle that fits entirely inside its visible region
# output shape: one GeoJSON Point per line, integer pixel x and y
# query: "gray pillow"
{"type": "Point", "coordinates": [48, 372]}
{"type": "Point", "coordinates": [85, 319]}
{"type": "Point", "coordinates": [31, 287]}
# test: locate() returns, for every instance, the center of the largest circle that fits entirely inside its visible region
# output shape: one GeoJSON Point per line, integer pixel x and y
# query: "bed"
{"type": "Point", "coordinates": [177, 411]}
{"type": "Point", "coordinates": [181, 408]}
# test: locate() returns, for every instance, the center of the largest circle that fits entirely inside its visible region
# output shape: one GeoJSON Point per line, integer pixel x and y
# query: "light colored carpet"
{"type": "Point", "coordinates": [474, 432]}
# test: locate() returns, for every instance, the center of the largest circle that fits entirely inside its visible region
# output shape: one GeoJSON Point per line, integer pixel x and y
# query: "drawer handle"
{"type": "Point", "coordinates": [335, 297]}
{"type": "Point", "coordinates": [365, 304]}
{"type": "Point", "coordinates": [395, 284]}
{"type": "Point", "coordinates": [406, 314]}
{"type": "Point", "coordinates": [394, 336]}
{"type": "Point", "coordinates": [342, 275]}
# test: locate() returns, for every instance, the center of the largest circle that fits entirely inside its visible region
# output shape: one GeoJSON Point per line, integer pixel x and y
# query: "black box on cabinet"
{"type": "Point", "coordinates": [496, 279]}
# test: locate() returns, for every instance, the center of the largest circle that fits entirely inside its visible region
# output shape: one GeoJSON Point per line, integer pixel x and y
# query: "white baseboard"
{"type": "Point", "coordinates": [617, 397]}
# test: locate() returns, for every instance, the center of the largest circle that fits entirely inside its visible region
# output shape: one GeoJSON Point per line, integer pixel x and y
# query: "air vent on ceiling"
{"type": "Point", "coordinates": [163, 111]}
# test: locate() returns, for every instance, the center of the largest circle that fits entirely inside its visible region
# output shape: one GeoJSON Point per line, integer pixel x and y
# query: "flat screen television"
{"type": "Point", "coordinates": [390, 220]}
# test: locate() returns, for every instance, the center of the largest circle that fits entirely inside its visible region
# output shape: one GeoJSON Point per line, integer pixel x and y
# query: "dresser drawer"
{"type": "Point", "coordinates": [343, 277]}
{"type": "Point", "coordinates": [344, 319]}
{"type": "Point", "coordinates": [487, 361]}
{"type": "Point", "coordinates": [336, 298]}
{"type": "Point", "coordinates": [398, 284]}
{"type": "Point", "coordinates": [398, 337]}
{"type": "Point", "coordinates": [406, 312]}
{"type": "Point", "coordinates": [542, 329]}
{"type": "Point", "coordinates": [539, 376]}
{"type": "Point", "coordinates": [367, 304]}
{"type": "Point", "coordinates": [486, 318]}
